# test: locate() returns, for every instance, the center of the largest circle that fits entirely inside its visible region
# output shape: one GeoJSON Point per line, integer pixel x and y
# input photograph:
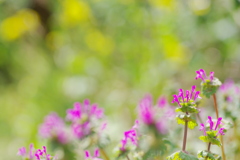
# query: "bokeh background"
{"type": "Point", "coordinates": [56, 52]}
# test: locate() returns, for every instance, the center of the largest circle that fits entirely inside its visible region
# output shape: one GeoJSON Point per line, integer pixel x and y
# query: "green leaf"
{"type": "Point", "coordinates": [210, 87]}
{"type": "Point", "coordinates": [211, 138]}
{"type": "Point", "coordinates": [210, 156]}
{"type": "Point", "coordinates": [189, 107]}
{"type": "Point", "coordinates": [181, 119]}
{"type": "Point", "coordinates": [181, 156]}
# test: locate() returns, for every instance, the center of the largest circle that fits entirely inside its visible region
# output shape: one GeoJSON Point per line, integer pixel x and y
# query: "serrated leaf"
{"type": "Point", "coordinates": [210, 87]}
{"type": "Point", "coordinates": [181, 156]}
{"type": "Point", "coordinates": [181, 119]}
{"type": "Point", "coordinates": [189, 107]}
{"type": "Point", "coordinates": [210, 156]}
{"type": "Point", "coordinates": [211, 138]}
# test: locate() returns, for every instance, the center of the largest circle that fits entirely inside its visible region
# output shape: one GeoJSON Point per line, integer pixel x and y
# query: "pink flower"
{"type": "Point", "coordinates": [202, 75]}
{"type": "Point", "coordinates": [130, 135]}
{"type": "Point", "coordinates": [23, 152]}
{"type": "Point", "coordinates": [42, 154]}
{"type": "Point", "coordinates": [53, 127]}
{"type": "Point", "coordinates": [189, 95]}
{"type": "Point", "coordinates": [146, 111]}
{"type": "Point", "coordinates": [212, 127]}
{"type": "Point", "coordinates": [95, 157]}
{"type": "Point", "coordinates": [84, 117]}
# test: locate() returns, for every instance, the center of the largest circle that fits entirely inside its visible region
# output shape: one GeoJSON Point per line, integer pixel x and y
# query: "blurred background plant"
{"type": "Point", "coordinates": [57, 52]}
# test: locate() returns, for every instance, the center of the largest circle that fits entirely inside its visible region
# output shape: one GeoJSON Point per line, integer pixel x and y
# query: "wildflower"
{"type": "Point", "coordinates": [188, 98]}
{"type": "Point", "coordinates": [95, 157]}
{"type": "Point", "coordinates": [84, 118]}
{"type": "Point", "coordinates": [40, 154]}
{"type": "Point", "coordinates": [130, 135]}
{"type": "Point", "coordinates": [211, 134]}
{"type": "Point", "coordinates": [154, 116]}
{"type": "Point", "coordinates": [23, 152]}
{"type": "Point", "coordinates": [146, 111]}
{"type": "Point", "coordinates": [202, 75]}
{"type": "Point", "coordinates": [53, 127]}
{"type": "Point", "coordinates": [209, 84]}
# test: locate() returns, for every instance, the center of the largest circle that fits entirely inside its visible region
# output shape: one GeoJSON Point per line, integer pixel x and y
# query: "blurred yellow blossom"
{"type": "Point", "coordinates": [15, 26]}
{"type": "Point", "coordinates": [174, 50]}
{"type": "Point", "coordinates": [99, 43]}
{"type": "Point", "coordinates": [167, 4]}
{"type": "Point", "coordinates": [75, 11]}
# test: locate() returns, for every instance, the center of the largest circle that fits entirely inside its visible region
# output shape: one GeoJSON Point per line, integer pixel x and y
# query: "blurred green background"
{"type": "Point", "coordinates": [113, 52]}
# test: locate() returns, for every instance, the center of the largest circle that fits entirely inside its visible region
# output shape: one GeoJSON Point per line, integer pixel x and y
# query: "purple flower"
{"type": "Point", "coordinates": [146, 111]}
{"type": "Point", "coordinates": [212, 127]}
{"type": "Point", "coordinates": [202, 128]}
{"type": "Point", "coordinates": [130, 135]}
{"type": "Point", "coordinates": [162, 102]}
{"type": "Point", "coordinates": [95, 157]}
{"type": "Point", "coordinates": [189, 95]}
{"type": "Point", "coordinates": [42, 154]}
{"type": "Point", "coordinates": [202, 75]}
{"type": "Point", "coordinates": [53, 127]}
{"type": "Point", "coordinates": [23, 152]}
{"type": "Point", "coordinates": [161, 126]}
{"type": "Point", "coordinates": [82, 117]}
{"type": "Point", "coordinates": [35, 154]}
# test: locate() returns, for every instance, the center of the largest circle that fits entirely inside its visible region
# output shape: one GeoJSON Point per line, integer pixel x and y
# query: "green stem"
{"type": "Point", "coordinates": [221, 138]}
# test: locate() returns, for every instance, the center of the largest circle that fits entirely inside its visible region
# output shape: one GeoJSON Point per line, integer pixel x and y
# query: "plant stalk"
{"type": "Point", "coordinates": [104, 154]}
{"type": "Point", "coordinates": [209, 146]}
{"type": "Point", "coordinates": [185, 136]}
{"type": "Point", "coordinates": [127, 157]}
{"type": "Point", "coordinates": [221, 139]}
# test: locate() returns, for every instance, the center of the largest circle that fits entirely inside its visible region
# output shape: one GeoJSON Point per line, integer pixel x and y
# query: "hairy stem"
{"type": "Point", "coordinates": [221, 139]}
{"type": "Point", "coordinates": [104, 154]}
{"type": "Point", "coordinates": [185, 136]}
{"type": "Point", "coordinates": [209, 146]}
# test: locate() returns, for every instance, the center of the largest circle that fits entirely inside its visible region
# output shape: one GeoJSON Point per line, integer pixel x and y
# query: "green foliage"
{"type": "Point", "coordinates": [189, 107]}
{"type": "Point", "coordinates": [181, 156]}
{"type": "Point", "coordinates": [211, 138]}
{"type": "Point", "coordinates": [181, 119]}
{"type": "Point", "coordinates": [210, 87]}
{"type": "Point", "coordinates": [210, 156]}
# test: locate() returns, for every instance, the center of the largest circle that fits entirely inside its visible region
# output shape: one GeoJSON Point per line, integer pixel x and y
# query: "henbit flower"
{"type": "Point", "coordinates": [202, 128]}
{"type": "Point", "coordinates": [84, 117]}
{"type": "Point", "coordinates": [42, 154]}
{"type": "Point", "coordinates": [189, 95]}
{"type": "Point", "coordinates": [95, 157]}
{"type": "Point", "coordinates": [146, 111]}
{"type": "Point", "coordinates": [162, 102]}
{"type": "Point", "coordinates": [84, 111]}
{"type": "Point", "coordinates": [30, 155]}
{"type": "Point", "coordinates": [212, 127]}
{"type": "Point", "coordinates": [131, 135]}
{"type": "Point", "coordinates": [202, 75]}
{"type": "Point", "coordinates": [53, 127]}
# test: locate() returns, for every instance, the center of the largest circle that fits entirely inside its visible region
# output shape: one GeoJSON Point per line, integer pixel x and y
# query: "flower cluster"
{"type": "Point", "coordinates": [209, 84]}
{"type": "Point", "coordinates": [189, 97]}
{"type": "Point", "coordinates": [212, 126]}
{"type": "Point", "coordinates": [130, 135]}
{"type": "Point", "coordinates": [212, 131]}
{"type": "Point", "coordinates": [95, 157]}
{"type": "Point", "coordinates": [84, 118]}
{"type": "Point", "coordinates": [202, 75]}
{"type": "Point", "coordinates": [53, 128]}
{"type": "Point", "coordinates": [151, 115]}
{"type": "Point", "coordinates": [35, 154]}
